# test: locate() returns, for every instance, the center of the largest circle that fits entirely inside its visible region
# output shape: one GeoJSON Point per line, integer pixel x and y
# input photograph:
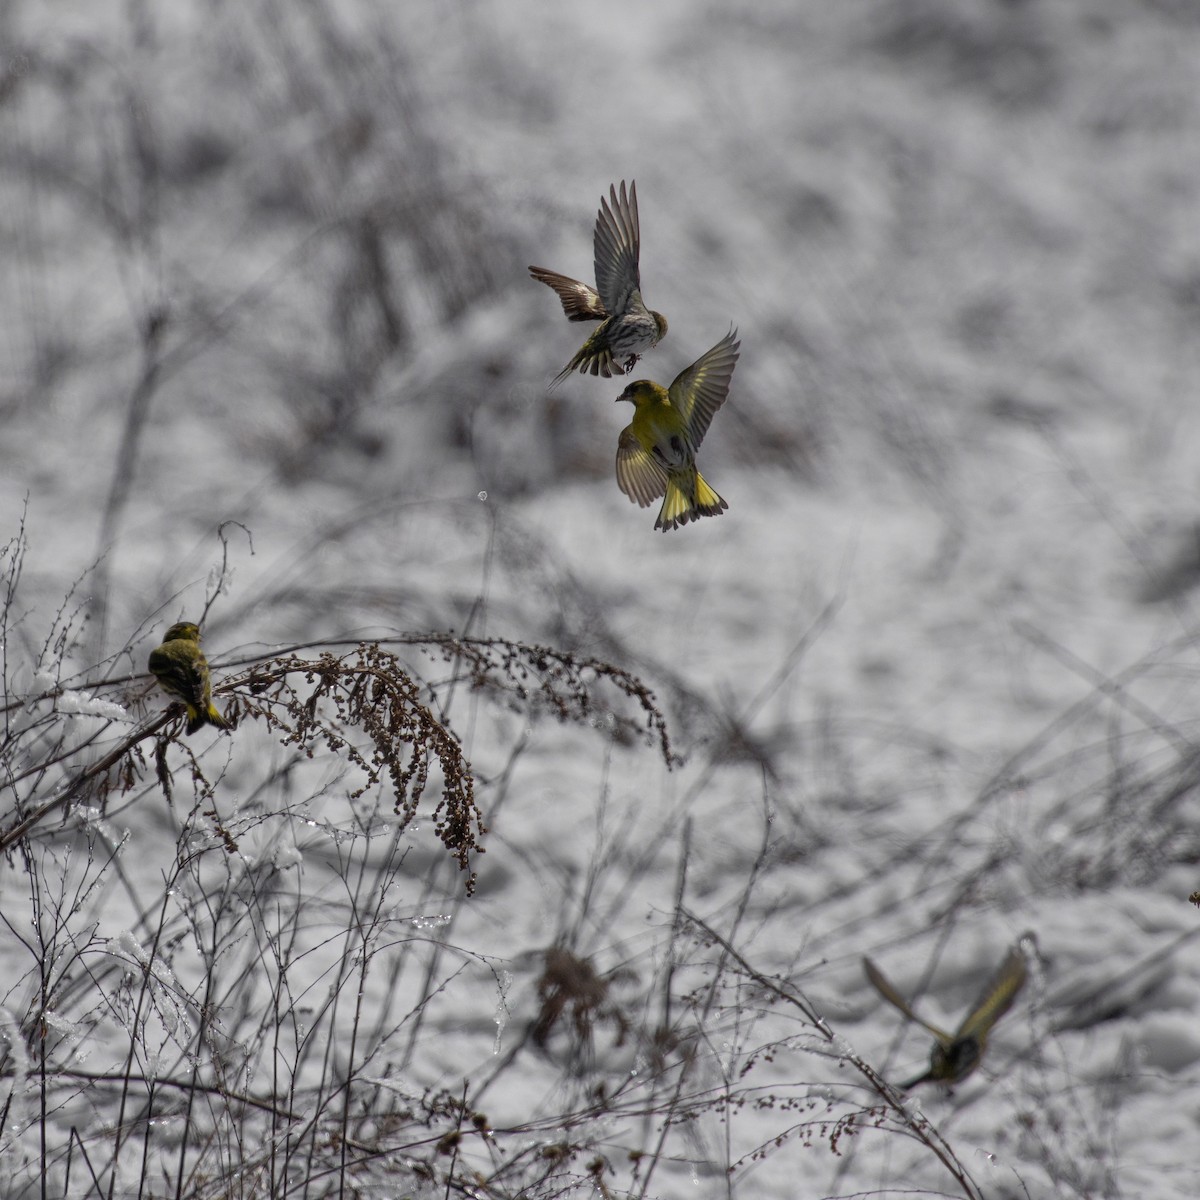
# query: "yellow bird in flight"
{"type": "Point", "coordinates": [656, 452]}
{"type": "Point", "coordinates": [956, 1055]}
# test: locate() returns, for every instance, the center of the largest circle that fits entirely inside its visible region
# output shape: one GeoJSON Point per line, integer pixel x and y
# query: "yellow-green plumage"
{"type": "Point", "coordinates": [656, 452]}
{"type": "Point", "coordinates": [956, 1055]}
{"type": "Point", "coordinates": [182, 671]}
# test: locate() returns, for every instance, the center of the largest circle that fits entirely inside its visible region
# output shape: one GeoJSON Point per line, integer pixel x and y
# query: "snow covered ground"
{"type": "Point", "coordinates": [934, 675]}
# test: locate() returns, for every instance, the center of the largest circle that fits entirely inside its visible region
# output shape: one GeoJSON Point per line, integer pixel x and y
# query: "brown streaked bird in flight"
{"type": "Point", "coordinates": [627, 327]}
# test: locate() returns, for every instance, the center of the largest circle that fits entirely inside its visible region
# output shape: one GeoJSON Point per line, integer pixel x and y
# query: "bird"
{"type": "Point", "coordinates": [956, 1055]}
{"type": "Point", "coordinates": [182, 671]}
{"type": "Point", "coordinates": [656, 452]}
{"type": "Point", "coordinates": [627, 327]}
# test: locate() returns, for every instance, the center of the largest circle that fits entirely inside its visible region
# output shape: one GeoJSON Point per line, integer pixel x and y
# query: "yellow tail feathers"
{"type": "Point", "coordinates": [198, 717]}
{"type": "Point", "coordinates": [687, 499]}
{"type": "Point", "coordinates": [708, 503]}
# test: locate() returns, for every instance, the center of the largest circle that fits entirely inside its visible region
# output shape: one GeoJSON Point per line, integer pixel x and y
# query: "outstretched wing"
{"type": "Point", "coordinates": [880, 983]}
{"type": "Point", "coordinates": [997, 997]}
{"type": "Point", "coordinates": [617, 245]}
{"type": "Point", "coordinates": [701, 389]}
{"type": "Point", "coordinates": [639, 474]}
{"type": "Point", "coordinates": [580, 302]}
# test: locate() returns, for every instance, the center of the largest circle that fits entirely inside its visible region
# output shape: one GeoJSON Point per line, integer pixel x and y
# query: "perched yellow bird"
{"type": "Point", "coordinates": [628, 328]}
{"type": "Point", "coordinates": [956, 1055]}
{"type": "Point", "coordinates": [656, 452]}
{"type": "Point", "coordinates": [182, 671]}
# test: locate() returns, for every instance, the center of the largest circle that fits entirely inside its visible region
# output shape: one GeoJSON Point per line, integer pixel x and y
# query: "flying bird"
{"type": "Point", "coordinates": [627, 327]}
{"type": "Point", "coordinates": [656, 452]}
{"type": "Point", "coordinates": [956, 1055]}
{"type": "Point", "coordinates": [182, 671]}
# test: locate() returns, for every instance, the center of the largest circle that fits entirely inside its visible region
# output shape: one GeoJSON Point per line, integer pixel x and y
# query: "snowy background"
{"type": "Point", "coordinates": [934, 675]}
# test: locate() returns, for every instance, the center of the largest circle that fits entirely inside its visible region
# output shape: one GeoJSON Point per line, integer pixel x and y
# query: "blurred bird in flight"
{"type": "Point", "coordinates": [627, 327]}
{"type": "Point", "coordinates": [956, 1055]}
{"type": "Point", "coordinates": [182, 671]}
{"type": "Point", "coordinates": [656, 453]}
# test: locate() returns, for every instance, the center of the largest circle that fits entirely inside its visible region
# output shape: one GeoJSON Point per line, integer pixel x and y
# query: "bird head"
{"type": "Point", "coordinates": [661, 322]}
{"type": "Point", "coordinates": [185, 631]}
{"type": "Point", "coordinates": [642, 391]}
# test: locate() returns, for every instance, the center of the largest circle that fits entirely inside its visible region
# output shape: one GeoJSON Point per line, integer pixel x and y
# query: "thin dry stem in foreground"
{"type": "Point", "coordinates": [918, 1127]}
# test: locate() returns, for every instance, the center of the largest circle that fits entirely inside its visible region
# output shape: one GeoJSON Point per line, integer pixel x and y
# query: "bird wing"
{"type": "Point", "coordinates": [880, 983]}
{"type": "Point", "coordinates": [181, 669]}
{"type": "Point", "coordinates": [639, 474]}
{"type": "Point", "coordinates": [617, 245]}
{"type": "Point", "coordinates": [580, 302]}
{"type": "Point", "coordinates": [997, 997]}
{"type": "Point", "coordinates": [701, 389]}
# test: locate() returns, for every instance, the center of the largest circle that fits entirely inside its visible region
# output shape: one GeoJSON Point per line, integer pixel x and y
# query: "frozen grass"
{"type": "Point", "coordinates": [273, 976]}
{"type": "Point", "coordinates": [297, 997]}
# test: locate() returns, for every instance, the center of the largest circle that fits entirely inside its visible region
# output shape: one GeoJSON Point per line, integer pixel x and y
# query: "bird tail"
{"type": "Point", "coordinates": [591, 358]}
{"type": "Point", "coordinates": [199, 717]}
{"type": "Point", "coordinates": [688, 498]}
{"type": "Point", "coordinates": [562, 374]}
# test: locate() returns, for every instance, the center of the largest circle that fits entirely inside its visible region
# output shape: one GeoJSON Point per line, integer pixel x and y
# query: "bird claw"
{"type": "Point", "coordinates": [630, 362]}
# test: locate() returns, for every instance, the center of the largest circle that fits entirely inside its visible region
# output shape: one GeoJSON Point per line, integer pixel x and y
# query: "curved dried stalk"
{"type": "Point", "coordinates": [332, 700]}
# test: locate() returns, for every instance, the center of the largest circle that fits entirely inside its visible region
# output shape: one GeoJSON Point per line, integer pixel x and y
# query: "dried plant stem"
{"type": "Point", "coordinates": [920, 1128]}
